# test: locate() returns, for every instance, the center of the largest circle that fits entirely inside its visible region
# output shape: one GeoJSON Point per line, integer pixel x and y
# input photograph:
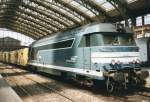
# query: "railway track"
{"type": "Point", "coordinates": [49, 88]}
{"type": "Point", "coordinates": [44, 86]}
{"type": "Point", "coordinates": [135, 97]}
{"type": "Point", "coordinates": [22, 89]}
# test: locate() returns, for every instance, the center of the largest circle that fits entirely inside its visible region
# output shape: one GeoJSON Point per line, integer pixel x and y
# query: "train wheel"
{"type": "Point", "coordinates": [109, 85]}
{"type": "Point", "coordinates": [88, 82]}
{"type": "Point", "coordinates": [99, 84]}
{"type": "Point", "coordinates": [134, 81]}
{"type": "Point", "coordinates": [33, 69]}
{"type": "Point", "coordinates": [64, 75]}
{"type": "Point", "coordinates": [125, 83]}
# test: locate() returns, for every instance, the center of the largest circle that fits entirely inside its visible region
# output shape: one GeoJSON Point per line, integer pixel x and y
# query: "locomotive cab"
{"type": "Point", "coordinates": [118, 50]}
{"type": "Point", "coordinates": [98, 51]}
{"type": "Point", "coordinates": [116, 55]}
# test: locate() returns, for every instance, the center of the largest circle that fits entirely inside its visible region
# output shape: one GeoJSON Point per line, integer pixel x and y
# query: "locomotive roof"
{"type": "Point", "coordinates": [87, 29]}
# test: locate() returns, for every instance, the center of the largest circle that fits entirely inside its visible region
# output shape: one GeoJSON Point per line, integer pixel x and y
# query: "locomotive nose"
{"type": "Point", "coordinates": [114, 57]}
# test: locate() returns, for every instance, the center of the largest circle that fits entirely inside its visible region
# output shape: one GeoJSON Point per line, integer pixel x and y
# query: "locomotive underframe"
{"type": "Point", "coordinates": [125, 78]}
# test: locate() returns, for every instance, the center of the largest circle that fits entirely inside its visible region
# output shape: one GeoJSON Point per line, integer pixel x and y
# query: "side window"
{"type": "Point", "coordinates": [96, 40]}
{"type": "Point", "coordinates": [57, 45]}
{"type": "Point", "coordinates": [85, 41]}
{"type": "Point", "coordinates": [62, 44]}
{"type": "Point", "coordinates": [91, 40]}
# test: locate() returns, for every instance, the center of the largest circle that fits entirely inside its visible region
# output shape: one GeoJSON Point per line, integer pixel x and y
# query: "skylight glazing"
{"type": "Point", "coordinates": [147, 19]}
{"type": "Point", "coordinates": [80, 7]}
{"type": "Point", "coordinates": [104, 4]}
{"type": "Point", "coordinates": [52, 16]}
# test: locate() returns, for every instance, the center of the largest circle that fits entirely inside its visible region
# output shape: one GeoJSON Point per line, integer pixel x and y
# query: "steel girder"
{"type": "Point", "coordinates": [33, 16]}
{"type": "Point", "coordinates": [147, 5]}
{"type": "Point", "coordinates": [49, 14]}
{"type": "Point", "coordinates": [98, 11]}
{"type": "Point", "coordinates": [75, 10]}
{"type": "Point", "coordinates": [22, 27]}
{"type": "Point", "coordinates": [44, 17]}
{"type": "Point", "coordinates": [30, 23]}
{"type": "Point", "coordinates": [20, 30]}
{"type": "Point", "coordinates": [28, 14]}
{"type": "Point", "coordinates": [39, 2]}
{"type": "Point", "coordinates": [122, 7]}
{"type": "Point", "coordinates": [70, 9]}
{"type": "Point", "coordinates": [38, 16]}
{"type": "Point", "coordinates": [36, 25]}
{"type": "Point", "coordinates": [41, 19]}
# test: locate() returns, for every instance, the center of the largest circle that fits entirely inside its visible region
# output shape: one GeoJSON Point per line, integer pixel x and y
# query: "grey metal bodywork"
{"type": "Point", "coordinates": [76, 57]}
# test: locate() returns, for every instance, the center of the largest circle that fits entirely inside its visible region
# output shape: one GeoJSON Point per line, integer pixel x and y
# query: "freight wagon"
{"type": "Point", "coordinates": [16, 57]}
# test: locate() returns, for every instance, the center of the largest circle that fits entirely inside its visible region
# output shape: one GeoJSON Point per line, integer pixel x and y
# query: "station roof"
{"type": "Point", "coordinates": [39, 18]}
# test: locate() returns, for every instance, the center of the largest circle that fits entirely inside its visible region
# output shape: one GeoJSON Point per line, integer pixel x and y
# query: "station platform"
{"type": "Point", "coordinates": [7, 94]}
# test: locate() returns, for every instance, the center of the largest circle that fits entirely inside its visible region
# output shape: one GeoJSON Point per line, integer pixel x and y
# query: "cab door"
{"type": "Point", "coordinates": [87, 58]}
{"type": "Point", "coordinates": [86, 52]}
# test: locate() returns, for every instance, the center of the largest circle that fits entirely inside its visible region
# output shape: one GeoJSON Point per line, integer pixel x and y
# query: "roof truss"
{"type": "Point", "coordinates": [39, 18]}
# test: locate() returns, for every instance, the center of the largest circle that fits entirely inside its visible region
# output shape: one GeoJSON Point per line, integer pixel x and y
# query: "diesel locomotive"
{"type": "Point", "coordinates": [99, 51]}
{"type": "Point", "coordinates": [95, 52]}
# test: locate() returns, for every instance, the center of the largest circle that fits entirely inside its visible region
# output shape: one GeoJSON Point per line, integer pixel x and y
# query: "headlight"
{"type": "Point", "coordinates": [118, 62]}
{"type": "Point", "coordinates": [138, 61]}
{"type": "Point", "coordinates": [113, 62]}
{"type": "Point", "coordinates": [134, 61]}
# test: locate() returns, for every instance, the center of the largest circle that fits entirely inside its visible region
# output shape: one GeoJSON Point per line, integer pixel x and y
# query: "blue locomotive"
{"type": "Point", "coordinates": [98, 51]}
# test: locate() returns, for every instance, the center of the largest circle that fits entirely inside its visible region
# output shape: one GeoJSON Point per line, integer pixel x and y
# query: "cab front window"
{"type": "Point", "coordinates": [107, 39]}
{"type": "Point", "coordinates": [122, 40]}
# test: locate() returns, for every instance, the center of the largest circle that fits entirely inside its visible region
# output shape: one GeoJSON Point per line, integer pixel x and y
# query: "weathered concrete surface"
{"type": "Point", "coordinates": [7, 94]}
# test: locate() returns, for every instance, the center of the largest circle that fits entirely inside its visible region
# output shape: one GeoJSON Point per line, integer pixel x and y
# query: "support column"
{"type": "Point", "coordinates": [133, 25]}
{"type": "Point", "coordinates": [143, 20]}
{"type": "Point", "coordinates": [148, 52]}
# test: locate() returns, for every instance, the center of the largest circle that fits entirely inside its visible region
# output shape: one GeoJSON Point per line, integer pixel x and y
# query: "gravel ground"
{"type": "Point", "coordinates": [78, 93]}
